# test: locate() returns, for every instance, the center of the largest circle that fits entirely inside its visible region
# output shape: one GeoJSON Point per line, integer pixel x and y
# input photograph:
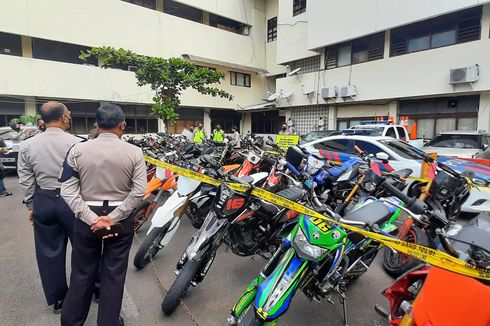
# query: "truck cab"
{"type": "Point", "coordinates": [383, 129]}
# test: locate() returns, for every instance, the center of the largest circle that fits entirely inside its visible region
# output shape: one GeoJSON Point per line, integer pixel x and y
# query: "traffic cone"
{"type": "Point", "coordinates": [413, 132]}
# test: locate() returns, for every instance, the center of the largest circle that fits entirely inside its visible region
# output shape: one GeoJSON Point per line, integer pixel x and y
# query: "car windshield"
{"type": "Point", "coordinates": [5, 133]}
{"type": "Point", "coordinates": [455, 141]}
{"type": "Point", "coordinates": [403, 149]}
{"type": "Point", "coordinates": [371, 131]}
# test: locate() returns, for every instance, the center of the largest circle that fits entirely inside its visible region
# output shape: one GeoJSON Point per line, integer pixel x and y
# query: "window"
{"type": "Point", "coordinates": [228, 24]}
{"type": "Point", "coordinates": [267, 122]}
{"type": "Point", "coordinates": [10, 44]}
{"type": "Point", "coordinates": [403, 149]}
{"type": "Point", "coordinates": [307, 65]}
{"type": "Point", "coordinates": [240, 79]}
{"type": "Point", "coordinates": [183, 11]}
{"type": "Point", "coordinates": [357, 51]}
{"type": "Point", "coordinates": [367, 147]}
{"type": "Point", "coordinates": [455, 141]}
{"type": "Point", "coordinates": [151, 4]}
{"type": "Point", "coordinates": [58, 51]}
{"type": "Point", "coordinates": [139, 119]}
{"type": "Point", "coordinates": [336, 145]}
{"type": "Point", "coordinates": [391, 132]}
{"type": "Point", "coordinates": [299, 7]}
{"type": "Point", "coordinates": [10, 108]}
{"type": "Point", "coordinates": [460, 27]}
{"type": "Point", "coordinates": [272, 29]}
{"type": "Point", "coordinates": [402, 133]}
{"type": "Point", "coordinates": [227, 119]}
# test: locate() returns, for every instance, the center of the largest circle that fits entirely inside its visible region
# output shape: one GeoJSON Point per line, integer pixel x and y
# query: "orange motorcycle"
{"type": "Point", "coordinates": [162, 185]}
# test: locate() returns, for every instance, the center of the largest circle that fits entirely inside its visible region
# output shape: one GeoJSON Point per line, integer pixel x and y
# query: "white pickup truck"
{"type": "Point", "coordinates": [383, 128]}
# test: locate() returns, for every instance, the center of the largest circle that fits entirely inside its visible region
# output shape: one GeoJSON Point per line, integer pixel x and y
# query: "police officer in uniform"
{"type": "Point", "coordinates": [199, 134]}
{"type": "Point", "coordinates": [39, 165]}
{"type": "Point", "coordinates": [218, 134]}
{"type": "Point", "coordinates": [103, 181]}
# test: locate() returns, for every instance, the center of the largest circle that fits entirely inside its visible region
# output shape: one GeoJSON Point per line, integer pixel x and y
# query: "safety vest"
{"type": "Point", "coordinates": [198, 136]}
{"type": "Point", "coordinates": [218, 136]}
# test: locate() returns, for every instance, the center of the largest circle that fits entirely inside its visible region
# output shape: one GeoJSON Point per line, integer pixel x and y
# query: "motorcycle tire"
{"type": "Point", "coordinates": [138, 215]}
{"type": "Point", "coordinates": [150, 247]}
{"type": "Point", "coordinates": [396, 263]}
{"type": "Point", "coordinates": [180, 286]}
{"type": "Point", "coordinates": [249, 319]}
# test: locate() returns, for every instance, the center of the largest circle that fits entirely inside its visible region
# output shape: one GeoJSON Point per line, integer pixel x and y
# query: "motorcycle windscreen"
{"type": "Point", "coordinates": [275, 293]}
{"type": "Point", "coordinates": [186, 185]}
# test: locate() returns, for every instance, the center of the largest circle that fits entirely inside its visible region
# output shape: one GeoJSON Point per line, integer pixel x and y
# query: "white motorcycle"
{"type": "Point", "coordinates": [166, 220]}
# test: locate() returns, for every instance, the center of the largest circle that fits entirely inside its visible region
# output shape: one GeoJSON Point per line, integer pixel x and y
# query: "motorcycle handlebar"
{"type": "Point", "coordinates": [413, 204]}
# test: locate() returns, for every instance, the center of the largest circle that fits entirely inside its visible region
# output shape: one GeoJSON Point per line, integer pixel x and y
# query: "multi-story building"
{"type": "Point", "coordinates": [301, 59]}
{"type": "Point", "coordinates": [40, 42]}
{"type": "Point", "coordinates": [378, 58]}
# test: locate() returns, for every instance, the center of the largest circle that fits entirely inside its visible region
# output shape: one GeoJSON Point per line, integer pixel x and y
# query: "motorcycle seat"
{"type": "Point", "coordinates": [247, 179]}
{"type": "Point", "coordinates": [403, 173]}
{"type": "Point", "coordinates": [293, 194]}
{"type": "Point", "coordinates": [372, 213]}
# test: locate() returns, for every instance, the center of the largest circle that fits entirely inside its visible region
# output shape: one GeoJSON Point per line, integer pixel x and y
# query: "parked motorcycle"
{"type": "Point", "coordinates": [445, 193]}
{"type": "Point", "coordinates": [422, 296]}
{"type": "Point", "coordinates": [319, 258]}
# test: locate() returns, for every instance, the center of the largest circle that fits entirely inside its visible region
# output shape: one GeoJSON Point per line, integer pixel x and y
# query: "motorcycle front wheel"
{"type": "Point", "coordinates": [180, 285]}
{"type": "Point", "coordinates": [249, 319]}
{"type": "Point", "coordinates": [139, 215]}
{"type": "Point", "coordinates": [396, 263]}
{"type": "Point", "coordinates": [150, 247]}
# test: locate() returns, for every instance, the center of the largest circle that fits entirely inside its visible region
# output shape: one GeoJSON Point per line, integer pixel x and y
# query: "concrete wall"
{"type": "Point", "coordinates": [291, 33]}
{"type": "Point", "coordinates": [331, 22]}
{"type": "Point", "coordinates": [402, 76]}
{"type": "Point", "coordinates": [272, 67]}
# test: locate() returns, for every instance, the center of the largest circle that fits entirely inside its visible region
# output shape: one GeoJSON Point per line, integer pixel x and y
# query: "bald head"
{"type": "Point", "coordinates": [52, 111]}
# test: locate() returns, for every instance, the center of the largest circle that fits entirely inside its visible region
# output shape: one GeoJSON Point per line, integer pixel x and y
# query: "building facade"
{"type": "Point", "coordinates": [300, 59]}
{"type": "Point", "coordinates": [360, 60]}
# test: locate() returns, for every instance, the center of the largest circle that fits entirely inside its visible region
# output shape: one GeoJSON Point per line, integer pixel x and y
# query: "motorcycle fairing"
{"type": "Point", "coordinates": [166, 212]}
{"type": "Point", "coordinates": [212, 224]}
{"type": "Point", "coordinates": [275, 293]}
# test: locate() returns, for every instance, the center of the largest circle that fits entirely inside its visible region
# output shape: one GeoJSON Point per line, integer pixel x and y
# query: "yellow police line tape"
{"type": "Point", "coordinates": [426, 254]}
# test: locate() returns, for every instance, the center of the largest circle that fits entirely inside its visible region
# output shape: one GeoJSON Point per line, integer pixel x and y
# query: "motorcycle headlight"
{"type": "Point", "coordinates": [306, 250]}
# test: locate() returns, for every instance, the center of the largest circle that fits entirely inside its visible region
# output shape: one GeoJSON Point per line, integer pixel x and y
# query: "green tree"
{"type": "Point", "coordinates": [167, 77]}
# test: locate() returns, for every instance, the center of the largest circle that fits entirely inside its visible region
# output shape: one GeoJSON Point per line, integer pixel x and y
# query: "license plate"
{"type": "Point", "coordinates": [7, 159]}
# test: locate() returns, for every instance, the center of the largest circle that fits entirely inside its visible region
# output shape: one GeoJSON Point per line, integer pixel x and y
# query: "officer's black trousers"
{"type": "Point", "coordinates": [53, 224]}
{"type": "Point", "coordinates": [88, 252]}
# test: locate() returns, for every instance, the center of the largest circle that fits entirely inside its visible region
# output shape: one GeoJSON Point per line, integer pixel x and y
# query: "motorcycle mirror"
{"type": "Point", "coordinates": [382, 156]}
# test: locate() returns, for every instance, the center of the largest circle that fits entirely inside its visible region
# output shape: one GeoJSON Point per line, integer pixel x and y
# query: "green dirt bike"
{"type": "Point", "coordinates": [318, 257]}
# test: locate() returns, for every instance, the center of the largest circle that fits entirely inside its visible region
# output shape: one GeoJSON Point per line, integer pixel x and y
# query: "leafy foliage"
{"type": "Point", "coordinates": [26, 119]}
{"type": "Point", "coordinates": [167, 77]}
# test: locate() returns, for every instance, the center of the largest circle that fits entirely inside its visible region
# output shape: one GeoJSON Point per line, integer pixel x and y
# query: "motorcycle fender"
{"type": "Point", "coordinates": [166, 212]}
{"type": "Point", "coordinates": [275, 293]}
{"type": "Point", "coordinates": [212, 224]}
{"type": "Point", "coordinates": [171, 231]}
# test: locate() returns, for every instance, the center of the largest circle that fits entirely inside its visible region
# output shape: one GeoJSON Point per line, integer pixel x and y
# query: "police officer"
{"type": "Point", "coordinates": [39, 164]}
{"type": "Point", "coordinates": [103, 181]}
{"type": "Point", "coordinates": [218, 134]}
{"type": "Point", "coordinates": [199, 134]}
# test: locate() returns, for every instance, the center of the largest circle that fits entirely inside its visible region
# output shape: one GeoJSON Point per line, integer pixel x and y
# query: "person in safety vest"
{"type": "Point", "coordinates": [218, 134]}
{"type": "Point", "coordinates": [199, 135]}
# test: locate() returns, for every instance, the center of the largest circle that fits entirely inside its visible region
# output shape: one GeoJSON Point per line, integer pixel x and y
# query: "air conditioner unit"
{"type": "Point", "coordinates": [468, 74]}
{"type": "Point", "coordinates": [329, 92]}
{"type": "Point", "coordinates": [348, 91]}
